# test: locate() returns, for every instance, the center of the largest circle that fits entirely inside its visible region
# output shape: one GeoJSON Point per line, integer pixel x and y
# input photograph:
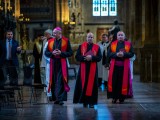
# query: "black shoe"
{"type": "Point", "coordinates": [84, 105]}
{"type": "Point", "coordinates": [56, 102]}
{"type": "Point", "coordinates": [114, 101]}
{"type": "Point", "coordinates": [91, 106]}
{"type": "Point", "coordinates": [50, 98]}
{"type": "Point", "coordinates": [105, 84]}
{"type": "Point", "coordinates": [99, 82]}
{"type": "Point", "coordinates": [121, 101]}
{"type": "Point", "coordinates": [61, 103]}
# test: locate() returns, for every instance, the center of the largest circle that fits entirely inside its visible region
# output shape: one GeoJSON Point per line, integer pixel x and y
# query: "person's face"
{"type": "Point", "coordinates": [90, 38]}
{"type": "Point", "coordinates": [47, 35]}
{"type": "Point", "coordinates": [9, 35]}
{"type": "Point", "coordinates": [39, 38]}
{"type": "Point", "coordinates": [42, 38]}
{"type": "Point", "coordinates": [104, 38]}
{"type": "Point", "coordinates": [57, 34]}
{"type": "Point", "coordinates": [120, 36]}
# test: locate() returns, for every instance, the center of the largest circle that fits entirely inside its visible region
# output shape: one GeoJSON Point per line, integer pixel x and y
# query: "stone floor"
{"type": "Point", "coordinates": [144, 106]}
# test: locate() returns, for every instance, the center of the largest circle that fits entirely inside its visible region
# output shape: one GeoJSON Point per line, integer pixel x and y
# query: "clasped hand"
{"type": "Point", "coordinates": [120, 54]}
{"type": "Point", "coordinates": [56, 52]}
{"type": "Point", "coordinates": [88, 58]}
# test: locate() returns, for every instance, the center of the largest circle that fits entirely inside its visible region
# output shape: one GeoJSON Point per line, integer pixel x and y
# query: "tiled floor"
{"type": "Point", "coordinates": [144, 106]}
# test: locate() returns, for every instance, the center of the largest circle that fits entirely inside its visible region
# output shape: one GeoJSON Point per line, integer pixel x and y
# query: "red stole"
{"type": "Point", "coordinates": [63, 60]}
{"type": "Point", "coordinates": [92, 71]}
{"type": "Point", "coordinates": [126, 69]}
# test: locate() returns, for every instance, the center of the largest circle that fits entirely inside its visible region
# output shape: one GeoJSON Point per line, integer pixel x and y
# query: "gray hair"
{"type": "Point", "coordinates": [49, 31]}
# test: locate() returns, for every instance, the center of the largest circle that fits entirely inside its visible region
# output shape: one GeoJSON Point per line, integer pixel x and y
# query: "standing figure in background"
{"type": "Point", "coordinates": [102, 68]}
{"type": "Point", "coordinates": [9, 48]}
{"type": "Point", "coordinates": [119, 73]}
{"type": "Point", "coordinates": [86, 88]}
{"type": "Point", "coordinates": [58, 50]}
{"type": "Point", "coordinates": [45, 63]}
{"type": "Point", "coordinates": [131, 69]}
{"type": "Point", "coordinates": [37, 53]}
{"type": "Point", "coordinates": [114, 30]}
{"type": "Point", "coordinates": [130, 93]}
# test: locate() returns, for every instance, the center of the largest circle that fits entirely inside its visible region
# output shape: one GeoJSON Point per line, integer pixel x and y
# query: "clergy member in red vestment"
{"type": "Point", "coordinates": [119, 73]}
{"type": "Point", "coordinates": [58, 50]}
{"type": "Point", "coordinates": [86, 88]}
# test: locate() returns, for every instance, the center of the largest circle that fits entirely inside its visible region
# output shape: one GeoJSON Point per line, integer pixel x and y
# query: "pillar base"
{"type": "Point", "coordinates": [150, 63]}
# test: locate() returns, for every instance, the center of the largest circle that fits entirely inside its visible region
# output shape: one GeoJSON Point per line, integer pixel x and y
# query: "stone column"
{"type": "Point", "coordinates": [133, 28]}
{"type": "Point", "coordinates": [149, 67]}
{"type": "Point", "coordinates": [58, 12]}
{"type": "Point", "coordinates": [159, 37]}
{"type": "Point", "coordinates": [137, 33]}
{"type": "Point", "coordinates": [17, 14]}
{"type": "Point", "coordinates": [132, 20]}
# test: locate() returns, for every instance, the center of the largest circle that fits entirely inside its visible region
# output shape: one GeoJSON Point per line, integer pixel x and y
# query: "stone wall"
{"type": "Point", "coordinates": [143, 30]}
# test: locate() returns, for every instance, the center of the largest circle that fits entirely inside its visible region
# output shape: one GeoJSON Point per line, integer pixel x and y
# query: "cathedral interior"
{"type": "Point", "coordinates": [140, 21]}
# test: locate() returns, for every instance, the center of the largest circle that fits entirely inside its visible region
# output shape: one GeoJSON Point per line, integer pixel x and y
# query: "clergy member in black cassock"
{"type": "Point", "coordinates": [58, 50]}
{"type": "Point", "coordinates": [119, 73]}
{"type": "Point", "coordinates": [86, 88]}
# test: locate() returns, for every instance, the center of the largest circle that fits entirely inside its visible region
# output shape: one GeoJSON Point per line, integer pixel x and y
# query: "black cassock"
{"type": "Point", "coordinates": [57, 88]}
{"type": "Point", "coordinates": [37, 57]}
{"type": "Point", "coordinates": [79, 94]}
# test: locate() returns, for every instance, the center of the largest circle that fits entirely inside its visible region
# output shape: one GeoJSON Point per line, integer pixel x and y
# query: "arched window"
{"type": "Point", "coordinates": [104, 7]}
